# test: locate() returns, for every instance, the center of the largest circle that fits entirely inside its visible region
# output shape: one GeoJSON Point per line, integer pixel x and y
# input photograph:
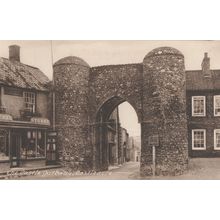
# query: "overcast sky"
{"type": "Point", "coordinates": [95, 53]}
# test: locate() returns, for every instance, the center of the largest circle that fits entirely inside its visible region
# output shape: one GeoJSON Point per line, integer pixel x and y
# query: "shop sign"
{"type": "Point", "coordinates": [43, 121]}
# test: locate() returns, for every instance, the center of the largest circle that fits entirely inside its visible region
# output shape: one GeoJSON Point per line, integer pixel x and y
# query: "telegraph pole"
{"type": "Point", "coordinates": [53, 92]}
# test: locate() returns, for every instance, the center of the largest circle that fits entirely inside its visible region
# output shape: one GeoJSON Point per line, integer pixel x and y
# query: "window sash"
{"type": "Point", "coordinates": [29, 101]}
{"type": "Point", "coordinates": [198, 139]}
{"type": "Point", "coordinates": [198, 106]}
{"type": "Point", "coordinates": [217, 105]}
{"type": "Point", "coordinates": [217, 139]}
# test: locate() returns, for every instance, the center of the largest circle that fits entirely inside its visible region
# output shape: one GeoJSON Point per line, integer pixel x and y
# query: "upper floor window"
{"type": "Point", "coordinates": [217, 139]}
{"type": "Point", "coordinates": [199, 139]}
{"type": "Point", "coordinates": [217, 105]}
{"type": "Point", "coordinates": [198, 106]}
{"type": "Point", "coordinates": [29, 101]}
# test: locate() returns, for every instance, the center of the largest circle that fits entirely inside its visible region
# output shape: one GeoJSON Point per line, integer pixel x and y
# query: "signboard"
{"type": "Point", "coordinates": [153, 140]}
{"type": "Point", "coordinates": [52, 134]}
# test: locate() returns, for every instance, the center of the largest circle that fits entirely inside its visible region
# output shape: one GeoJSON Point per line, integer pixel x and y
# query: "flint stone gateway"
{"type": "Point", "coordinates": [86, 96]}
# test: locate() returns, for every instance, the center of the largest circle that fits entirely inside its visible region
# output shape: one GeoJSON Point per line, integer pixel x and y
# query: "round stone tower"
{"type": "Point", "coordinates": [71, 77]}
{"type": "Point", "coordinates": [164, 112]}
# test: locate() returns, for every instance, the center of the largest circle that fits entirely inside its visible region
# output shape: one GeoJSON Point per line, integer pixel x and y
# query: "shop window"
{"type": "Point", "coordinates": [4, 150]}
{"type": "Point", "coordinates": [29, 101]}
{"type": "Point", "coordinates": [198, 106]}
{"type": "Point", "coordinates": [217, 105]}
{"type": "Point", "coordinates": [217, 139]}
{"type": "Point", "coordinates": [33, 144]}
{"type": "Point", "coordinates": [199, 139]}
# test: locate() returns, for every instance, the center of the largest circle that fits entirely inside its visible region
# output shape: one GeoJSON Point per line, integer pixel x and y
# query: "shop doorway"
{"type": "Point", "coordinates": [15, 149]}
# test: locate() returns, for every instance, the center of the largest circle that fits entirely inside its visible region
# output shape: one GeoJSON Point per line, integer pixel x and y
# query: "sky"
{"type": "Point", "coordinates": [96, 53]}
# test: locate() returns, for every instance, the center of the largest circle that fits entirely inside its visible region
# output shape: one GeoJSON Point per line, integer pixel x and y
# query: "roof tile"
{"type": "Point", "coordinates": [13, 73]}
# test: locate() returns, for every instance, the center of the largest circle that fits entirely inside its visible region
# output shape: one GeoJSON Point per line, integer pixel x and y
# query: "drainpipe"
{"type": "Point", "coordinates": [2, 106]}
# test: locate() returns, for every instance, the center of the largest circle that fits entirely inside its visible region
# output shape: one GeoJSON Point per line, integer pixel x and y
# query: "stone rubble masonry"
{"type": "Point", "coordinates": [164, 112]}
{"type": "Point", "coordinates": [71, 76]}
{"type": "Point", "coordinates": [155, 89]}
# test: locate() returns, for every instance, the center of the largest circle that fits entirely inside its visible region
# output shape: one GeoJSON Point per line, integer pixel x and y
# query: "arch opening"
{"type": "Point", "coordinates": [118, 135]}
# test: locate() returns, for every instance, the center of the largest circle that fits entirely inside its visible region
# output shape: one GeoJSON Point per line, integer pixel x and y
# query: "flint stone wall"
{"type": "Point", "coordinates": [164, 112]}
{"type": "Point", "coordinates": [71, 90]}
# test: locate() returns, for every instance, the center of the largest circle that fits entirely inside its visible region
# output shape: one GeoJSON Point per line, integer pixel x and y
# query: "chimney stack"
{"type": "Point", "coordinates": [206, 66]}
{"type": "Point", "coordinates": [14, 53]}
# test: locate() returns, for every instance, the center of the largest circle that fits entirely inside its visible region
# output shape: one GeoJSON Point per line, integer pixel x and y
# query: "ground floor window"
{"type": "Point", "coordinates": [217, 139]}
{"type": "Point", "coordinates": [199, 139]}
{"type": "Point", "coordinates": [4, 148]}
{"type": "Point", "coordinates": [33, 144]}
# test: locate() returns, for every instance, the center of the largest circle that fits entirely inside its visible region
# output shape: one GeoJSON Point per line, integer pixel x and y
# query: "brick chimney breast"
{"type": "Point", "coordinates": [14, 53]}
{"type": "Point", "coordinates": [206, 66]}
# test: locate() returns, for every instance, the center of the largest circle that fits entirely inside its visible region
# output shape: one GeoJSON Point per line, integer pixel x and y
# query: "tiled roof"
{"type": "Point", "coordinates": [13, 73]}
{"type": "Point", "coordinates": [196, 81]}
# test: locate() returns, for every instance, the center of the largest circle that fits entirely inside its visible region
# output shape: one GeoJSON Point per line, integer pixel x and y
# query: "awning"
{"type": "Point", "coordinates": [35, 122]}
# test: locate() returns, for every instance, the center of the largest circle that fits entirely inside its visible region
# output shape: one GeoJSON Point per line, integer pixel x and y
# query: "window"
{"type": "Point", "coordinates": [217, 105]}
{"type": "Point", "coordinates": [199, 139]}
{"type": "Point", "coordinates": [4, 149]}
{"type": "Point", "coordinates": [33, 144]}
{"type": "Point", "coordinates": [198, 106]}
{"type": "Point", "coordinates": [217, 139]}
{"type": "Point", "coordinates": [29, 101]}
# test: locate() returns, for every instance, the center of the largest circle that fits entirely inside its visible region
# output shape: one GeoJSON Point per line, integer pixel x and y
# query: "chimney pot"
{"type": "Point", "coordinates": [14, 53]}
{"type": "Point", "coordinates": [206, 66]}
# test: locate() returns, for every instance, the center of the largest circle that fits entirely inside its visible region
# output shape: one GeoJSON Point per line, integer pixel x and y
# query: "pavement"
{"type": "Point", "coordinates": [199, 169]}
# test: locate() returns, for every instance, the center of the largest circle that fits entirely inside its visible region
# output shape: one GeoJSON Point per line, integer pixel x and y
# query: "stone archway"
{"type": "Point", "coordinates": [100, 132]}
{"type": "Point", "coordinates": [156, 90]}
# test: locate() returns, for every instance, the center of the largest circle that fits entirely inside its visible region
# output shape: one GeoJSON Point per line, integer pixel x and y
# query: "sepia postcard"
{"type": "Point", "coordinates": [109, 110]}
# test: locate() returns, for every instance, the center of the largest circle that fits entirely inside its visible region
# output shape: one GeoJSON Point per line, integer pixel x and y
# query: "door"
{"type": "Point", "coordinates": [51, 155]}
{"type": "Point", "coordinates": [15, 149]}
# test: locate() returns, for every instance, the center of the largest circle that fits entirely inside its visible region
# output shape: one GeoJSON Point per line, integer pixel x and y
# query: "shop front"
{"type": "Point", "coordinates": [23, 144]}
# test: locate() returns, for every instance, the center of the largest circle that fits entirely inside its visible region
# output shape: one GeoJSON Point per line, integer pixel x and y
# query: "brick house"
{"type": "Point", "coordinates": [203, 110]}
{"type": "Point", "coordinates": [24, 112]}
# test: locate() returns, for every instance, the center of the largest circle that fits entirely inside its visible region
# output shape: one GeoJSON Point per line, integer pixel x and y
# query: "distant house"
{"type": "Point", "coordinates": [124, 145]}
{"type": "Point", "coordinates": [117, 140]}
{"type": "Point", "coordinates": [113, 137]}
{"type": "Point", "coordinates": [24, 111]}
{"type": "Point", "coordinates": [135, 148]}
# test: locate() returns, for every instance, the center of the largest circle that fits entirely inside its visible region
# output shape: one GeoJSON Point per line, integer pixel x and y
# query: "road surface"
{"type": "Point", "coordinates": [199, 168]}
